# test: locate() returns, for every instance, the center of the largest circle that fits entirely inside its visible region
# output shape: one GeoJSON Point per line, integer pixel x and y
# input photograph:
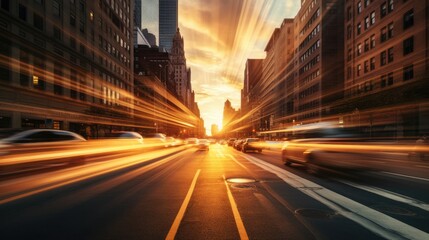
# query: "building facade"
{"type": "Point", "coordinates": [319, 55]}
{"type": "Point", "coordinates": [182, 74]}
{"type": "Point", "coordinates": [386, 70]}
{"type": "Point", "coordinates": [67, 65]}
{"type": "Point", "coordinates": [168, 23]}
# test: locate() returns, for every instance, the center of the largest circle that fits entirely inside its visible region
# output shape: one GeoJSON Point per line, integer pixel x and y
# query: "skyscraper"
{"type": "Point", "coordinates": [168, 23]}
{"type": "Point", "coordinates": [138, 13]}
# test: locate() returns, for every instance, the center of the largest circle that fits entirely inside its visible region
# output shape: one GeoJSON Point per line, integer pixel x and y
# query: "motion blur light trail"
{"type": "Point", "coordinates": [157, 105]}
{"type": "Point", "coordinates": [11, 190]}
{"type": "Point", "coordinates": [28, 154]}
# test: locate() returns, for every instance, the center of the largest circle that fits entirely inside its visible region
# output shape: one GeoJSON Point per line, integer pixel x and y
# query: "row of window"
{"type": "Point", "coordinates": [385, 81]}
{"type": "Point", "coordinates": [310, 22]}
{"type": "Point", "coordinates": [309, 91]}
{"type": "Point", "coordinates": [310, 64]}
{"type": "Point", "coordinates": [386, 56]}
{"type": "Point", "coordinates": [310, 77]}
{"type": "Point", "coordinates": [369, 44]}
{"type": "Point", "coordinates": [310, 51]}
{"type": "Point", "coordinates": [369, 21]}
{"type": "Point", "coordinates": [308, 10]}
{"type": "Point", "coordinates": [310, 36]}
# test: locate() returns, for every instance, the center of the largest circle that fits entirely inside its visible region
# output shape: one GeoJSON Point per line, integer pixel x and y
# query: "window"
{"type": "Point", "coordinates": [24, 79]}
{"type": "Point", "coordinates": [366, 45]}
{"type": "Point", "coordinates": [22, 12]}
{"type": "Point", "coordinates": [57, 34]}
{"type": "Point", "coordinates": [38, 83]}
{"type": "Point", "coordinates": [383, 58]}
{"type": "Point", "coordinates": [366, 22]}
{"type": "Point", "coordinates": [372, 41]}
{"type": "Point", "coordinates": [72, 19]}
{"type": "Point", "coordinates": [5, 4]}
{"type": "Point", "coordinates": [409, 19]}
{"type": "Point", "coordinates": [390, 30]}
{"type": "Point", "coordinates": [408, 45]}
{"type": "Point", "coordinates": [81, 26]}
{"type": "Point", "coordinates": [390, 7]}
{"type": "Point", "coordinates": [383, 34]}
{"type": "Point", "coordinates": [383, 9]}
{"type": "Point", "coordinates": [372, 18]}
{"type": "Point", "coordinates": [359, 49]}
{"type": "Point", "coordinates": [366, 66]}
{"type": "Point", "coordinates": [72, 43]}
{"type": "Point", "coordinates": [359, 7]}
{"type": "Point", "coordinates": [372, 63]}
{"type": "Point", "coordinates": [359, 28]}
{"type": "Point", "coordinates": [349, 13]}
{"type": "Point", "coordinates": [390, 55]}
{"type": "Point", "coordinates": [383, 80]}
{"type": "Point", "coordinates": [408, 72]}
{"type": "Point", "coordinates": [349, 32]}
{"type": "Point", "coordinates": [38, 21]}
{"type": "Point", "coordinates": [366, 3]}
{"type": "Point", "coordinates": [56, 8]}
{"type": "Point", "coordinates": [390, 78]}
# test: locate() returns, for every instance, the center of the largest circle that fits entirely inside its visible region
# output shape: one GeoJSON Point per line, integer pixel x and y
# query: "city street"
{"type": "Point", "coordinates": [186, 193]}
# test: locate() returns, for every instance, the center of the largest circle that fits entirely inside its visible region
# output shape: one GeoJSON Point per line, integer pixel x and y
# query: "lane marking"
{"type": "Point", "coordinates": [173, 230]}
{"type": "Point", "coordinates": [390, 195]}
{"type": "Point", "coordinates": [377, 222]}
{"type": "Point", "coordinates": [236, 161]}
{"type": "Point", "coordinates": [238, 221]}
{"type": "Point", "coordinates": [406, 176]}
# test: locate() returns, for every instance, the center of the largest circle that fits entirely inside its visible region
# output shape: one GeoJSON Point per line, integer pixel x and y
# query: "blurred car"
{"type": "Point", "coordinates": [252, 144]}
{"type": "Point", "coordinates": [155, 140]}
{"type": "Point", "coordinates": [170, 142]}
{"type": "Point", "coordinates": [191, 141]}
{"type": "Point", "coordinates": [238, 144]}
{"type": "Point", "coordinates": [41, 136]}
{"type": "Point", "coordinates": [36, 141]}
{"type": "Point", "coordinates": [321, 148]}
{"type": "Point", "coordinates": [126, 135]}
{"type": "Point", "coordinates": [203, 144]}
{"type": "Point", "coordinates": [231, 141]}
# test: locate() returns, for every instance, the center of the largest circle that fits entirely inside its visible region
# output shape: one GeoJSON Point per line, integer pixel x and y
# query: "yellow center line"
{"type": "Point", "coordinates": [236, 213]}
{"type": "Point", "coordinates": [173, 230]}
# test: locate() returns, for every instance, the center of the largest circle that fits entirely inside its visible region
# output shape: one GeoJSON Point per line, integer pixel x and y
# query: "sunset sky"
{"type": "Point", "coordinates": [220, 35]}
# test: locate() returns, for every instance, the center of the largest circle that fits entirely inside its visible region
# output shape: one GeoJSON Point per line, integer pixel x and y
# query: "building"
{"type": "Point", "coordinates": [214, 130]}
{"type": "Point", "coordinates": [387, 69]}
{"type": "Point", "coordinates": [138, 14]}
{"type": "Point", "coordinates": [151, 38]}
{"type": "Point", "coordinates": [67, 65]}
{"type": "Point", "coordinates": [229, 117]}
{"type": "Point", "coordinates": [250, 95]}
{"type": "Point", "coordinates": [319, 52]}
{"type": "Point", "coordinates": [168, 23]}
{"type": "Point", "coordinates": [182, 75]}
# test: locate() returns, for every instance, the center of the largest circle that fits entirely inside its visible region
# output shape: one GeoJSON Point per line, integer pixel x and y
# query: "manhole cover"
{"type": "Point", "coordinates": [242, 186]}
{"type": "Point", "coordinates": [240, 180]}
{"type": "Point", "coordinates": [314, 213]}
{"type": "Point", "coordinates": [393, 210]}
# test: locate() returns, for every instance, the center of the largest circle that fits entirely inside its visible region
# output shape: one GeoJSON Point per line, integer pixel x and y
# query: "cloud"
{"type": "Point", "coordinates": [220, 35]}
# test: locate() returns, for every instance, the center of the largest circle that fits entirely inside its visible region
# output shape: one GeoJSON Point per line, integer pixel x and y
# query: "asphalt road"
{"type": "Point", "coordinates": [184, 193]}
